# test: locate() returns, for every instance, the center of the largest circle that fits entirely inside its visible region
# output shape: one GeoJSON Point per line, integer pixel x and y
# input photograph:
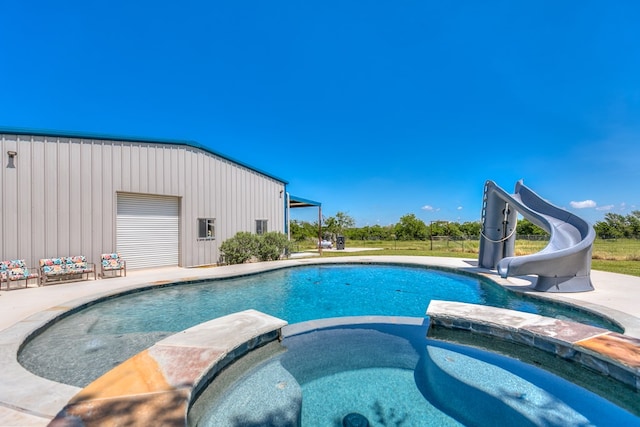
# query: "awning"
{"type": "Point", "coordinates": [299, 202]}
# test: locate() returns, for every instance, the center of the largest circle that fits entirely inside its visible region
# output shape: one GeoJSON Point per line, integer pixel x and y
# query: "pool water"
{"type": "Point", "coordinates": [81, 347]}
{"type": "Point", "coordinates": [327, 400]}
{"type": "Point", "coordinates": [367, 369]}
{"type": "Point", "coordinates": [393, 376]}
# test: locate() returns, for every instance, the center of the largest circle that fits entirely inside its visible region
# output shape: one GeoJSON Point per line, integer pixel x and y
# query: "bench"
{"type": "Point", "coordinates": [112, 262]}
{"type": "Point", "coordinates": [16, 270]}
{"type": "Point", "coordinates": [65, 269]}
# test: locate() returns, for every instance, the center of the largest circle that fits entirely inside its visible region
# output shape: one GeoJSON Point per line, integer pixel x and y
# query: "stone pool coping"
{"type": "Point", "coordinates": [609, 353]}
{"type": "Point", "coordinates": [156, 386]}
{"type": "Point", "coordinates": [29, 400]}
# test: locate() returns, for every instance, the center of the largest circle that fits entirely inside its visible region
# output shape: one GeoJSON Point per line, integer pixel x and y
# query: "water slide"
{"type": "Point", "coordinates": [564, 265]}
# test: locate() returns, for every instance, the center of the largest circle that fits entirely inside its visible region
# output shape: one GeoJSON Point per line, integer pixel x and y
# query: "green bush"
{"type": "Point", "coordinates": [271, 246]}
{"type": "Point", "coordinates": [240, 248]}
{"type": "Point", "coordinates": [244, 246]}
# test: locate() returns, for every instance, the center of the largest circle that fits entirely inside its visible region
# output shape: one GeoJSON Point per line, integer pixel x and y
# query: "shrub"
{"type": "Point", "coordinates": [271, 246]}
{"type": "Point", "coordinates": [240, 248]}
{"type": "Point", "coordinates": [244, 246]}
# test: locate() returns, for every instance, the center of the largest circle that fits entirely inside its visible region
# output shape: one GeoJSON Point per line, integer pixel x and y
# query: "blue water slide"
{"type": "Point", "coordinates": [564, 265]}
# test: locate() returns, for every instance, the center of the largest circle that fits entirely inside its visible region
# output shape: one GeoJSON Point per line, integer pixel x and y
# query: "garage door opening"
{"type": "Point", "coordinates": [148, 233]}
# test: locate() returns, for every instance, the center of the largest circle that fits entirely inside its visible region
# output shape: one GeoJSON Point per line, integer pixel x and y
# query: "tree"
{"type": "Point", "coordinates": [471, 229]}
{"type": "Point", "coordinates": [329, 228]}
{"type": "Point", "coordinates": [411, 228]}
{"type": "Point", "coordinates": [311, 230]}
{"type": "Point", "coordinates": [344, 221]}
{"type": "Point", "coordinates": [439, 228]}
{"type": "Point", "coordinates": [527, 228]}
{"type": "Point", "coordinates": [301, 230]}
{"type": "Point", "coordinates": [634, 224]}
{"type": "Point", "coordinates": [453, 230]}
{"type": "Point", "coordinates": [296, 231]}
{"type": "Point", "coordinates": [605, 230]}
{"type": "Point", "coordinates": [337, 225]}
{"type": "Point", "coordinates": [373, 232]}
{"type": "Point", "coordinates": [617, 226]}
{"type": "Point", "coordinates": [377, 232]}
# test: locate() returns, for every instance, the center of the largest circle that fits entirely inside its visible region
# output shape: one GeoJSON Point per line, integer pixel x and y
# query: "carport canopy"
{"type": "Point", "coordinates": [299, 202]}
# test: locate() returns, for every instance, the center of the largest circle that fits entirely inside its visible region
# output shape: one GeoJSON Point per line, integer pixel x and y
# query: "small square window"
{"type": "Point", "coordinates": [261, 226]}
{"type": "Point", "coordinates": [206, 228]}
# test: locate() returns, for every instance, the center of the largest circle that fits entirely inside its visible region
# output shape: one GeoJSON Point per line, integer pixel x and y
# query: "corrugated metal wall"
{"type": "Point", "coordinates": [60, 199]}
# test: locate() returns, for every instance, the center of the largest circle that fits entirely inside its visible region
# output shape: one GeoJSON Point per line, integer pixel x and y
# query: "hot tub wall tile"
{"type": "Point", "coordinates": [461, 324]}
{"type": "Point", "coordinates": [524, 337]}
{"type": "Point", "coordinates": [623, 375]}
{"type": "Point", "coordinates": [565, 351]}
{"type": "Point", "coordinates": [482, 328]}
{"type": "Point", "coordinates": [505, 334]}
{"type": "Point", "coordinates": [544, 344]}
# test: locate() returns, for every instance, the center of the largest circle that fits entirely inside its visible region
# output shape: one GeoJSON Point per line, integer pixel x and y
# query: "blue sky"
{"type": "Point", "coordinates": [377, 109]}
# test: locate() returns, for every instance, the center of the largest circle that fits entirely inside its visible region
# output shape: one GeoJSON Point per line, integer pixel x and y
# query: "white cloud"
{"type": "Point", "coordinates": [584, 204]}
{"type": "Point", "coordinates": [430, 208]}
{"type": "Point", "coordinates": [459, 208]}
{"type": "Point", "coordinates": [604, 208]}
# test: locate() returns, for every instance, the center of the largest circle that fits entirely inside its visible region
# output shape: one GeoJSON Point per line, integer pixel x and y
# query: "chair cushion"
{"type": "Point", "coordinates": [15, 269]}
{"type": "Point", "coordinates": [112, 262]}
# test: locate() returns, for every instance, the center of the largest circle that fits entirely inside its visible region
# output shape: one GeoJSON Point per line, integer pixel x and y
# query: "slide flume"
{"type": "Point", "coordinates": [564, 265]}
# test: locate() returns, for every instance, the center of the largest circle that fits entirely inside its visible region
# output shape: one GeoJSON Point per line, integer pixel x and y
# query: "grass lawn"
{"type": "Point", "coordinates": [616, 256]}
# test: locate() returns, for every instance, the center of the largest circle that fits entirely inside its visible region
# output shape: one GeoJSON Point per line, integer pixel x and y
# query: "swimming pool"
{"type": "Point", "coordinates": [391, 375]}
{"type": "Point", "coordinates": [81, 347]}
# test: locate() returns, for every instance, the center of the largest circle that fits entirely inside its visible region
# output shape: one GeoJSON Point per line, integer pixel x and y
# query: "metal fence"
{"type": "Point", "coordinates": [613, 249]}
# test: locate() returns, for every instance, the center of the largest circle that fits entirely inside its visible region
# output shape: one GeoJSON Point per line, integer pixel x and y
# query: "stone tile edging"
{"type": "Point", "coordinates": [156, 386]}
{"type": "Point", "coordinates": [609, 353]}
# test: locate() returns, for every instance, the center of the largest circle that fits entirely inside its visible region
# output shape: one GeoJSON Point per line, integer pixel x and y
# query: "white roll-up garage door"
{"type": "Point", "coordinates": [148, 230]}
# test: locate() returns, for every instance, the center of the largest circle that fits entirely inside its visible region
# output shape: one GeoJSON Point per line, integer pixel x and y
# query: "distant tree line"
{"type": "Point", "coordinates": [410, 227]}
{"type": "Point", "coordinates": [617, 226]}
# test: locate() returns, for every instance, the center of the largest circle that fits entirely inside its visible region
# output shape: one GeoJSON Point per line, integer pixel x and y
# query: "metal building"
{"type": "Point", "coordinates": [157, 202]}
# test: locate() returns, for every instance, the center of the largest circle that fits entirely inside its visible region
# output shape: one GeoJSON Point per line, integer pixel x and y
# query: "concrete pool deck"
{"type": "Point", "coordinates": [28, 400]}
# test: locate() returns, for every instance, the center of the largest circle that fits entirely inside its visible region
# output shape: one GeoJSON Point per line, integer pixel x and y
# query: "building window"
{"type": "Point", "coordinates": [261, 226]}
{"type": "Point", "coordinates": [206, 228]}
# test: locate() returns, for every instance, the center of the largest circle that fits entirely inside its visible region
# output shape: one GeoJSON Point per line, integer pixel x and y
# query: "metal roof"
{"type": "Point", "coordinates": [299, 202]}
{"type": "Point", "coordinates": [105, 137]}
